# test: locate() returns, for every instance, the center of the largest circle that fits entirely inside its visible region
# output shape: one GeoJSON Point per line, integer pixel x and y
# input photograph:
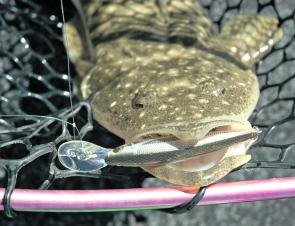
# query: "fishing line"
{"type": "Point", "coordinates": [73, 124]}
{"type": "Point", "coordinates": [45, 117]}
{"type": "Point", "coordinates": [68, 67]}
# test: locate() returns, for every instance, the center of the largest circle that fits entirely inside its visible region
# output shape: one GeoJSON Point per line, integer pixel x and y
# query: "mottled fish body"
{"type": "Point", "coordinates": [156, 68]}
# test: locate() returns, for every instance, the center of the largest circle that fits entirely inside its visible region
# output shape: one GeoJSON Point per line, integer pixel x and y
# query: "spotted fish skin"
{"type": "Point", "coordinates": [162, 92]}
{"type": "Point", "coordinates": [157, 67]}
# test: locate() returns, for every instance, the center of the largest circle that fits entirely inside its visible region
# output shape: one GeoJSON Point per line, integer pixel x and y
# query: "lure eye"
{"type": "Point", "coordinates": [82, 156]}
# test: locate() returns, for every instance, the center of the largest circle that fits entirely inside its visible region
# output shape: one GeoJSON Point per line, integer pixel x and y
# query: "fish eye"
{"type": "Point", "coordinates": [137, 105]}
{"type": "Point", "coordinates": [223, 91]}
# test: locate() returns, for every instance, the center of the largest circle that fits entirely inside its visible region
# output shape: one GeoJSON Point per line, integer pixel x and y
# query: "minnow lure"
{"type": "Point", "coordinates": [85, 156]}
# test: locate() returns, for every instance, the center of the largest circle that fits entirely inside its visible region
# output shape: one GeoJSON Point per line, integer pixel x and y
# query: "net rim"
{"type": "Point", "coordinates": [107, 200]}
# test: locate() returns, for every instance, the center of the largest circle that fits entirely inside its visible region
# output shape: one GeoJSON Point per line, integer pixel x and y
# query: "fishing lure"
{"type": "Point", "coordinates": [85, 156]}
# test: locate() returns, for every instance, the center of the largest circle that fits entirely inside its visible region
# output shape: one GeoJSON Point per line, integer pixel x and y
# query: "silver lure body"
{"type": "Point", "coordinates": [165, 150]}
{"type": "Point", "coordinates": [85, 156]}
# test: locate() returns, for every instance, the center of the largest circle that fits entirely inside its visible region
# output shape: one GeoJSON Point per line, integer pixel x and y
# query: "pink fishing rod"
{"type": "Point", "coordinates": [148, 198]}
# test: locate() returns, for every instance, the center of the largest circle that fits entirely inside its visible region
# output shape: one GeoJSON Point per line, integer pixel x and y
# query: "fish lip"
{"type": "Point", "coordinates": [178, 130]}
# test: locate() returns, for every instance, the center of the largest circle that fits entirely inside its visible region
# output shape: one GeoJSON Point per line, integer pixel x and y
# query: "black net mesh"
{"type": "Point", "coordinates": [34, 84]}
{"type": "Point", "coordinates": [33, 87]}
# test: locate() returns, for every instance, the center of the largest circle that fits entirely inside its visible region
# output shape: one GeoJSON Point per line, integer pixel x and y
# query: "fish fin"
{"type": "Point", "coordinates": [79, 45]}
{"type": "Point", "coordinates": [85, 29]}
{"type": "Point", "coordinates": [197, 178]}
{"type": "Point", "coordinates": [83, 67]}
{"type": "Point", "coordinates": [73, 42]}
{"type": "Point", "coordinates": [246, 39]}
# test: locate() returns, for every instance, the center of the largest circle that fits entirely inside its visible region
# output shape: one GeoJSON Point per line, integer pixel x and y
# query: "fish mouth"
{"type": "Point", "coordinates": [188, 132]}
{"type": "Point", "coordinates": [214, 136]}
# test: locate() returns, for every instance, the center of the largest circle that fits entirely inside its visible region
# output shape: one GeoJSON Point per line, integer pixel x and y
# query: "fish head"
{"type": "Point", "coordinates": [186, 97]}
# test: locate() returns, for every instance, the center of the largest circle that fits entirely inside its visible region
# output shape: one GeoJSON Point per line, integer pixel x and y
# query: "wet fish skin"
{"type": "Point", "coordinates": [183, 80]}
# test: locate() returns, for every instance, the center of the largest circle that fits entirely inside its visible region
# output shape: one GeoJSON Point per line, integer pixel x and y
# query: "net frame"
{"type": "Point", "coordinates": [109, 200]}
